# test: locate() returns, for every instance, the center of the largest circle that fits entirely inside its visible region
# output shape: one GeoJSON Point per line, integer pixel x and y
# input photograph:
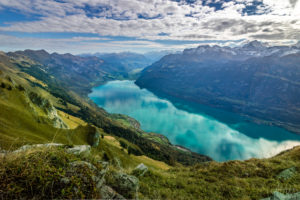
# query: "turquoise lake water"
{"type": "Point", "coordinates": [227, 138]}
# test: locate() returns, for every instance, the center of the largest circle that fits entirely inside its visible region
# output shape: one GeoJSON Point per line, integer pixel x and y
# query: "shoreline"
{"type": "Point", "coordinates": [240, 116]}
{"type": "Point", "coordinates": [268, 129]}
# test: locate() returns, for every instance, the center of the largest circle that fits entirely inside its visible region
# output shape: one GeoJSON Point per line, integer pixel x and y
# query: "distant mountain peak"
{"type": "Point", "coordinates": [41, 51]}
{"type": "Point", "coordinates": [255, 44]}
{"type": "Point", "coordinates": [297, 44]}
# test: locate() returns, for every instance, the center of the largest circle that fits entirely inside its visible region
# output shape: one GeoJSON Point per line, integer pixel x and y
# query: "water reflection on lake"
{"type": "Point", "coordinates": [198, 132]}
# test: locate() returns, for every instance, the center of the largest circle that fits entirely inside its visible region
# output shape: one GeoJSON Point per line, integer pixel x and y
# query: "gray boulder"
{"type": "Point", "coordinates": [80, 169]}
{"type": "Point", "coordinates": [96, 139]}
{"type": "Point", "coordinates": [140, 170]}
{"type": "Point", "coordinates": [126, 184]}
{"type": "Point", "coordinates": [287, 173]}
{"type": "Point", "coordinates": [102, 174]}
{"type": "Point", "coordinates": [98, 175]}
{"type": "Point", "coordinates": [65, 180]}
{"type": "Point", "coordinates": [80, 149]}
{"type": "Point", "coordinates": [279, 196]}
{"type": "Point", "coordinates": [28, 147]}
{"type": "Point", "coordinates": [77, 149]}
{"type": "Point", "coordinates": [78, 164]}
{"type": "Point", "coordinates": [117, 163]}
{"type": "Point", "coordinates": [107, 192]}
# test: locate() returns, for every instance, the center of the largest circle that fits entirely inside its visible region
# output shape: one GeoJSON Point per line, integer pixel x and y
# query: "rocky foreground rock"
{"type": "Point", "coordinates": [280, 196]}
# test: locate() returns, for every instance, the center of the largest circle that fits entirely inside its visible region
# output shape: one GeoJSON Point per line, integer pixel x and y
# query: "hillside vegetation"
{"type": "Point", "coordinates": [33, 100]}
{"type": "Point", "coordinates": [57, 144]}
{"type": "Point", "coordinates": [52, 172]}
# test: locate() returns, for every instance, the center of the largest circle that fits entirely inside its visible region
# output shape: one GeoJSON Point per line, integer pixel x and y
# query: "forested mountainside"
{"type": "Point", "coordinates": [255, 80]}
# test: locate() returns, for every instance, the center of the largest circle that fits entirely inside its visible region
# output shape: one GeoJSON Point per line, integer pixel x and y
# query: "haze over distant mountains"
{"type": "Point", "coordinates": [130, 61]}
{"type": "Point", "coordinates": [256, 80]}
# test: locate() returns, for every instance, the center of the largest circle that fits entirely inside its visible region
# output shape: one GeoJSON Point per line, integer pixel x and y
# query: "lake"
{"type": "Point", "coordinates": [200, 128]}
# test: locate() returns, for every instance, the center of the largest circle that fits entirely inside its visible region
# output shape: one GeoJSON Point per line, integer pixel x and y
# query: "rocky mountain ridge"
{"type": "Point", "coordinates": [255, 80]}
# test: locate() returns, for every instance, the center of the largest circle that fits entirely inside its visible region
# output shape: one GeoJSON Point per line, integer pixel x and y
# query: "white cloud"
{"type": "Point", "coordinates": [274, 21]}
{"type": "Point", "coordinates": [77, 45]}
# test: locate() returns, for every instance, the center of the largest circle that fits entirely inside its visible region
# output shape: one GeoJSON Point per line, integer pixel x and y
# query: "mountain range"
{"type": "Point", "coordinates": [258, 81]}
{"type": "Point", "coordinates": [56, 143]}
{"type": "Point", "coordinates": [50, 84]}
{"type": "Point", "coordinates": [131, 62]}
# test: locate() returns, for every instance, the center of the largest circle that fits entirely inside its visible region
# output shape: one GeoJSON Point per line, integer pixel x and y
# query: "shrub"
{"type": "Point", "coordinates": [9, 87]}
{"type": "Point", "coordinates": [134, 151]}
{"type": "Point", "coordinates": [105, 157]}
{"type": "Point", "coordinates": [123, 144]}
{"type": "Point", "coordinates": [3, 85]}
{"type": "Point", "coordinates": [20, 88]}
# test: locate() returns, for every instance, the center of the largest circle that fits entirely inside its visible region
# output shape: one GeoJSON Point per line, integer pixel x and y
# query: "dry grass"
{"type": "Point", "coordinates": [251, 179]}
{"type": "Point", "coordinates": [71, 121]}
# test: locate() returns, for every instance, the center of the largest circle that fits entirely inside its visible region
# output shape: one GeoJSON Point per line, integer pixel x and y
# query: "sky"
{"type": "Point", "coordinates": [89, 26]}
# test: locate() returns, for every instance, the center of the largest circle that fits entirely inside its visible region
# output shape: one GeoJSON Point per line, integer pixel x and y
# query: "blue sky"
{"type": "Point", "coordinates": [89, 26]}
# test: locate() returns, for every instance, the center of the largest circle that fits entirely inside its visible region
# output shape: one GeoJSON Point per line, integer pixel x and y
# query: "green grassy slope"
{"type": "Point", "coordinates": [26, 111]}
{"type": "Point", "coordinates": [37, 173]}
{"type": "Point", "coordinates": [26, 99]}
{"type": "Point", "coordinates": [251, 179]}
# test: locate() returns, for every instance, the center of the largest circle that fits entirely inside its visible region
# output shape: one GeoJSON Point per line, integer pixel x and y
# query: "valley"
{"type": "Point", "coordinates": [191, 128]}
{"type": "Point", "coordinates": [55, 101]}
{"type": "Point", "coordinates": [150, 99]}
{"type": "Point", "coordinates": [256, 81]}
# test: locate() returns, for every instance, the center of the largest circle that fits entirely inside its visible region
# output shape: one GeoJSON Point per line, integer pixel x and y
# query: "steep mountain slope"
{"type": "Point", "coordinates": [254, 80]}
{"type": "Point", "coordinates": [30, 114]}
{"type": "Point", "coordinates": [73, 72]}
{"type": "Point", "coordinates": [32, 98]}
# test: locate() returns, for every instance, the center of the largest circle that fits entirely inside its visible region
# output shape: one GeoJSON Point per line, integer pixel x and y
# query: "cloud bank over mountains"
{"type": "Point", "coordinates": [152, 23]}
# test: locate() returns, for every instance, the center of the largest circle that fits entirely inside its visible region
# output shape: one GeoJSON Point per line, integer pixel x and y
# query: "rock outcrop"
{"type": "Point", "coordinates": [140, 170]}
{"type": "Point", "coordinates": [79, 149]}
{"type": "Point", "coordinates": [287, 173]}
{"type": "Point", "coordinates": [280, 196]}
{"type": "Point", "coordinates": [48, 109]}
{"type": "Point", "coordinates": [126, 184]}
{"type": "Point", "coordinates": [76, 150]}
{"type": "Point", "coordinates": [107, 192]}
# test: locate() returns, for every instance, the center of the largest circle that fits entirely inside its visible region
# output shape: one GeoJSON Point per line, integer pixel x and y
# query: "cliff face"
{"type": "Point", "coordinates": [257, 83]}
